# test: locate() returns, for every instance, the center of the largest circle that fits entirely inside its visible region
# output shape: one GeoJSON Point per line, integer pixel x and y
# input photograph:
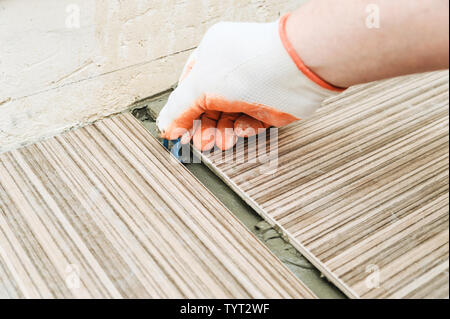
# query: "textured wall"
{"type": "Point", "coordinates": [55, 75]}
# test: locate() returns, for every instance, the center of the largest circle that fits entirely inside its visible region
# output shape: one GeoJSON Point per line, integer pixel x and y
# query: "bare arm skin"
{"type": "Point", "coordinates": [333, 39]}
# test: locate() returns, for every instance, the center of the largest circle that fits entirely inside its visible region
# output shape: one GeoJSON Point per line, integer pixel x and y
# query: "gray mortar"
{"type": "Point", "coordinates": [146, 111]}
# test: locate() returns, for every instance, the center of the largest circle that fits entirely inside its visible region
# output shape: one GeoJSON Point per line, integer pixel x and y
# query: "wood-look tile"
{"type": "Point", "coordinates": [105, 212]}
{"type": "Point", "coordinates": [362, 186]}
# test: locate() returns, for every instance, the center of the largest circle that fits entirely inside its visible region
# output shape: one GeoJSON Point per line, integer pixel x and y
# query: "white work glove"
{"type": "Point", "coordinates": [242, 78]}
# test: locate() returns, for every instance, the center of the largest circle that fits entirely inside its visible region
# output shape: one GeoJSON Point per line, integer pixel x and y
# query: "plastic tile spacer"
{"type": "Point", "coordinates": [175, 149]}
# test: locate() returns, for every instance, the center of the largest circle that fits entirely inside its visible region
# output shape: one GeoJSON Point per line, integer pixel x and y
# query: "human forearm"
{"type": "Point", "coordinates": [333, 40]}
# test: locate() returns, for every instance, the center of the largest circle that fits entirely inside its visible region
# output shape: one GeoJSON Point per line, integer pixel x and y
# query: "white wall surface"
{"type": "Point", "coordinates": [56, 74]}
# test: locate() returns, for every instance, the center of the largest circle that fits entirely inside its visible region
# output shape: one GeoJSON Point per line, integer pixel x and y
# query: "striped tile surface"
{"type": "Point", "coordinates": [104, 211]}
{"type": "Point", "coordinates": [361, 189]}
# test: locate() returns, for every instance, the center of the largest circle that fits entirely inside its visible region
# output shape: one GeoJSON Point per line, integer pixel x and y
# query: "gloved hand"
{"type": "Point", "coordinates": [243, 77]}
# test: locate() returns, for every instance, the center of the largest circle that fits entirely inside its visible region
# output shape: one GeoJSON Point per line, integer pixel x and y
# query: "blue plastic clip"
{"type": "Point", "coordinates": [176, 148]}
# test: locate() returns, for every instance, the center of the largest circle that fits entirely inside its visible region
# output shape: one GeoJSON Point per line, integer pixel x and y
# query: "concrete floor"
{"type": "Point", "coordinates": [146, 111]}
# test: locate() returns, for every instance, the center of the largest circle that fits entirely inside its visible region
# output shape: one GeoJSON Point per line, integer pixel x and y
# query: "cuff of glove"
{"type": "Point", "coordinates": [301, 66]}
